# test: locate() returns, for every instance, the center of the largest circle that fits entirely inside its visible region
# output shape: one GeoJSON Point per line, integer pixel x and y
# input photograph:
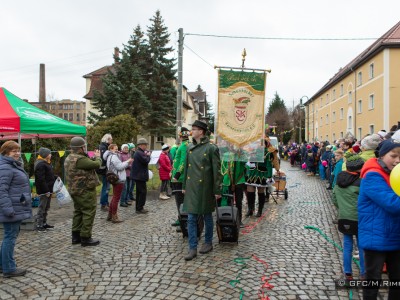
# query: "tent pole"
{"type": "Point", "coordinates": [19, 139]}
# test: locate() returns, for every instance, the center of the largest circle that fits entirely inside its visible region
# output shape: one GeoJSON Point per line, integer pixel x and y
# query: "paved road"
{"type": "Point", "coordinates": [142, 258]}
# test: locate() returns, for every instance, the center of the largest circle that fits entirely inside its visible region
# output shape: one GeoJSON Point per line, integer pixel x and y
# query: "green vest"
{"type": "Point", "coordinates": [79, 180]}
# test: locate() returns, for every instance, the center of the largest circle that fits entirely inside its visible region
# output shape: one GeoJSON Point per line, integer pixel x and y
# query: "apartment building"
{"type": "Point", "coordinates": [362, 98]}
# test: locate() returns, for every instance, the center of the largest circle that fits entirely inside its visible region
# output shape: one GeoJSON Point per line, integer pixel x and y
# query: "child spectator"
{"type": "Point", "coordinates": [379, 218]}
{"type": "Point", "coordinates": [345, 197]}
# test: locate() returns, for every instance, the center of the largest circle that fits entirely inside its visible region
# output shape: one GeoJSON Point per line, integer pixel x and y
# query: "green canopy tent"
{"type": "Point", "coordinates": [21, 120]}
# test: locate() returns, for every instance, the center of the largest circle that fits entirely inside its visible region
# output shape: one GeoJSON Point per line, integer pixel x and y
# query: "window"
{"type": "Point", "coordinates": [341, 89]}
{"type": "Point", "coordinates": [359, 132]}
{"type": "Point", "coordinates": [341, 113]}
{"type": "Point", "coordinates": [60, 106]}
{"type": "Point", "coordinates": [321, 122]}
{"type": "Point", "coordinates": [326, 138]}
{"type": "Point", "coordinates": [327, 119]}
{"type": "Point", "coordinates": [78, 106]}
{"type": "Point", "coordinates": [350, 99]}
{"type": "Point", "coordinates": [333, 137]}
{"type": "Point", "coordinates": [327, 98]}
{"type": "Point", "coordinates": [334, 117]}
{"type": "Point", "coordinates": [359, 78]}
{"type": "Point", "coordinates": [65, 116]}
{"type": "Point", "coordinates": [160, 139]}
{"type": "Point", "coordinates": [60, 115]}
{"type": "Point", "coordinates": [371, 71]}
{"type": "Point", "coordinates": [320, 104]}
{"type": "Point", "coordinates": [350, 121]}
{"type": "Point", "coordinates": [71, 116]}
{"type": "Point", "coordinates": [359, 107]}
{"type": "Point", "coordinates": [78, 117]}
{"type": "Point", "coordinates": [341, 134]}
{"type": "Point", "coordinates": [65, 106]}
{"type": "Point", "coordinates": [333, 94]}
{"type": "Point", "coordinates": [371, 129]}
{"type": "Point", "coordinates": [71, 106]}
{"type": "Point", "coordinates": [371, 102]}
{"type": "Point", "coordinates": [53, 107]}
{"type": "Point", "coordinates": [312, 107]}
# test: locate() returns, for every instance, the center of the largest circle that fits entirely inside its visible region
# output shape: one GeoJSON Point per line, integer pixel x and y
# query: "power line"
{"type": "Point", "coordinates": [283, 38]}
{"type": "Point", "coordinates": [199, 56]}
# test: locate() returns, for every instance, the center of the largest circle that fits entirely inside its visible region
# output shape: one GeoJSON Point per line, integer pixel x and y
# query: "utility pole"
{"type": "Point", "coordinates": [180, 84]}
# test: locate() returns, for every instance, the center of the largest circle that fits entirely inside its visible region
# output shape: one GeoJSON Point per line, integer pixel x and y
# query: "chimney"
{"type": "Point", "coordinates": [116, 55]}
{"type": "Point", "coordinates": [42, 84]}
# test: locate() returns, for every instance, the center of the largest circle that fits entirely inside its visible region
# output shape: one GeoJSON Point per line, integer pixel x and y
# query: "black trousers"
{"type": "Point", "coordinates": [141, 193]}
{"type": "Point", "coordinates": [374, 261]}
{"type": "Point", "coordinates": [179, 196]}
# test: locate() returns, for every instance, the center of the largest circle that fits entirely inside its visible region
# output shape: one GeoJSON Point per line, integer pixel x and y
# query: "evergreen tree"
{"type": "Point", "coordinates": [124, 87]}
{"type": "Point", "coordinates": [278, 116]}
{"type": "Point", "coordinates": [161, 91]}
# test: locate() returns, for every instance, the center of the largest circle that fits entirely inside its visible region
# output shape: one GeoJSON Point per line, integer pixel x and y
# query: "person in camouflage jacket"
{"type": "Point", "coordinates": [82, 181]}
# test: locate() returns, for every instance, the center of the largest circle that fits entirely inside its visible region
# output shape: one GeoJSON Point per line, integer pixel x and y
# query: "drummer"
{"type": "Point", "coordinates": [258, 174]}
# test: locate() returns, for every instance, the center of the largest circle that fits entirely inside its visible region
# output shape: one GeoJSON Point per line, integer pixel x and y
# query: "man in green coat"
{"type": "Point", "coordinates": [82, 182]}
{"type": "Point", "coordinates": [201, 186]}
{"type": "Point", "coordinates": [178, 169]}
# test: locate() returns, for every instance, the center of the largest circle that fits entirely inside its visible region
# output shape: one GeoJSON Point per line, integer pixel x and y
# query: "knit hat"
{"type": "Point", "coordinates": [308, 146]}
{"type": "Point", "coordinates": [165, 147]}
{"type": "Point", "coordinates": [382, 133]}
{"type": "Point", "coordinates": [370, 142]}
{"type": "Point", "coordinates": [123, 146]}
{"type": "Point", "coordinates": [44, 152]}
{"type": "Point", "coordinates": [396, 135]}
{"type": "Point", "coordinates": [387, 146]}
{"type": "Point", "coordinates": [354, 163]}
{"type": "Point", "coordinates": [356, 148]}
{"type": "Point", "coordinates": [131, 146]}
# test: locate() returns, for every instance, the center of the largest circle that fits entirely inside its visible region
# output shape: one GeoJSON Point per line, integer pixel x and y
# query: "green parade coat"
{"type": "Point", "coordinates": [202, 178]}
{"type": "Point", "coordinates": [179, 161]}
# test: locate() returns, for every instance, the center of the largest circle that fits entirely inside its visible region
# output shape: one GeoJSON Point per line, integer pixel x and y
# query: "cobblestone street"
{"type": "Point", "coordinates": [142, 258]}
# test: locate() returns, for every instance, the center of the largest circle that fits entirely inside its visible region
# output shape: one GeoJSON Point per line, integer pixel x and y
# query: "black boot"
{"type": "Point", "coordinates": [89, 242]}
{"type": "Point", "coordinates": [251, 199]}
{"type": "Point", "coordinates": [261, 202]}
{"type": "Point", "coordinates": [76, 237]}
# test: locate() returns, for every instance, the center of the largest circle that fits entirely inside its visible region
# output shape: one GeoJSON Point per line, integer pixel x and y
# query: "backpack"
{"type": "Point", "coordinates": [103, 168]}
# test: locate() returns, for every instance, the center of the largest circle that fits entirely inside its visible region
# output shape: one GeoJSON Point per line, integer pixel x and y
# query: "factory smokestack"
{"type": "Point", "coordinates": [42, 84]}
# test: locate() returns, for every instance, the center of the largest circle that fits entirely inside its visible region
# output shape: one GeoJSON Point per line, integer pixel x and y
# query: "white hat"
{"type": "Point", "coordinates": [382, 134]}
{"type": "Point", "coordinates": [370, 142]}
{"type": "Point", "coordinates": [165, 147]}
{"type": "Point", "coordinates": [124, 145]}
{"type": "Point", "coordinates": [396, 135]}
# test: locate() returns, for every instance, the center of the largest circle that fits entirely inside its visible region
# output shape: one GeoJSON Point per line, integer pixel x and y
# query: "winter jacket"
{"type": "Point", "coordinates": [202, 177]}
{"type": "Point", "coordinates": [165, 166]}
{"type": "Point", "coordinates": [44, 177]}
{"type": "Point", "coordinates": [179, 161]}
{"type": "Point", "coordinates": [15, 192]}
{"type": "Point", "coordinates": [103, 147]}
{"type": "Point", "coordinates": [378, 210]}
{"type": "Point", "coordinates": [124, 157]}
{"type": "Point", "coordinates": [140, 166]}
{"type": "Point", "coordinates": [345, 195]}
{"type": "Point", "coordinates": [337, 170]}
{"type": "Point", "coordinates": [367, 154]}
{"type": "Point", "coordinates": [115, 165]}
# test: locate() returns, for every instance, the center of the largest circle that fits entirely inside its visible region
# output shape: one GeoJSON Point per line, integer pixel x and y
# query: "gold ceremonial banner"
{"type": "Point", "coordinates": [240, 115]}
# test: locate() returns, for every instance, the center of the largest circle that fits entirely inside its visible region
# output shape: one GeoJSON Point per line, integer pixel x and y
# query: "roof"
{"type": "Point", "coordinates": [198, 95]}
{"type": "Point", "coordinates": [99, 72]}
{"type": "Point", "coordinates": [391, 39]}
{"type": "Point", "coordinates": [96, 80]}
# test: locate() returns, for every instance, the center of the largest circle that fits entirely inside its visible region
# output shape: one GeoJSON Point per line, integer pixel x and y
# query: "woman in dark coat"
{"type": "Point", "coordinates": [15, 204]}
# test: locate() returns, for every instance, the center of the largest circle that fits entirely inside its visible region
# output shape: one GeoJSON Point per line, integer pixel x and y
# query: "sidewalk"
{"type": "Point", "coordinates": [142, 258]}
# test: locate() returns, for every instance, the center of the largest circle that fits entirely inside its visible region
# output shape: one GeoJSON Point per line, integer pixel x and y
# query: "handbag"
{"type": "Point", "coordinates": [111, 176]}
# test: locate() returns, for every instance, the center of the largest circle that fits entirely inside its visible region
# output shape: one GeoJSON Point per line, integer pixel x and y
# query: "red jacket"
{"type": "Point", "coordinates": [165, 166]}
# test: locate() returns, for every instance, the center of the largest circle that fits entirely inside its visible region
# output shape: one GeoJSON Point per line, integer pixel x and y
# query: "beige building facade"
{"type": "Point", "coordinates": [362, 98]}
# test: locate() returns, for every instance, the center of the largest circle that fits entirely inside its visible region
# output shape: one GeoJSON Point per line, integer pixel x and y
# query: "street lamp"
{"type": "Point", "coordinates": [301, 108]}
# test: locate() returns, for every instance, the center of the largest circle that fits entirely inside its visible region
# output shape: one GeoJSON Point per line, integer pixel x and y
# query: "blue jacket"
{"type": "Point", "coordinates": [15, 192]}
{"type": "Point", "coordinates": [378, 211]}
{"type": "Point", "coordinates": [140, 166]}
{"type": "Point", "coordinates": [337, 170]}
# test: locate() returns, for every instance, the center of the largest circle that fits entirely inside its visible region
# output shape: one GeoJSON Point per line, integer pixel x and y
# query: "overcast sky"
{"type": "Point", "coordinates": [76, 37]}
